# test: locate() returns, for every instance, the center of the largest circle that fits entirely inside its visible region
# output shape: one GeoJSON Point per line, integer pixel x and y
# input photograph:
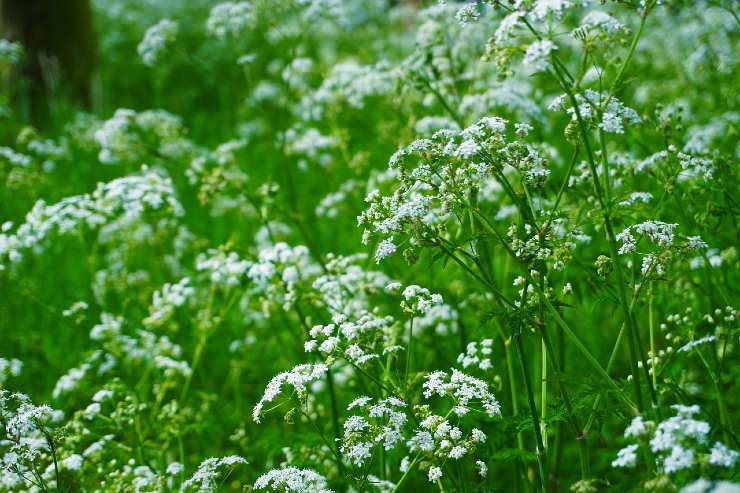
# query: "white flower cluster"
{"type": "Point", "coordinates": [292, 480]}
{"type": "Point", "coordinates": [658, 232]}
{"type": "Point", "coordinates": [382, 422]}
{"type": "Point", "coordinates": [311, 145]}
{"type": "Point", "coordinates": [69, 381]}
{"type": "Point", "coordinates": [597, 22]}
{"type": "Point", "coordinates": [13, 158]}
{"type": "Point", "coordinates": [463, 389]}
{"type": "Point", "coordinates": [706, 486]}
{"type": "Point", "coordinates": [131, 197]}
{"type": "Point", "coordinates": [359, 340]}
{"type": "Point", "coordinates": [637, 197]}
{"type": "Point", "coordinates": [297, 378]}
{"type": "Point", "coordinates": [278, 271]}
{"type": "Point", "coordinates": [538, 55]}
{"type": "Point", "coordinates": [204, 480]}
{"type": "Point", "coordinates": [440, 174]}
{"type": "Point", "coordinates": [9, 368]}
{"type": "Point", "coordinates": [477, 354]}
{"type": "Point", "coordinates": [610, 113]}
{"type": "Point", "coordinates": [345, 286]}
{"type": "Point", "coordinates": [418, 300]}
{"type": "Point", "coordinates": [24, 428]}
{"type": "Point", "coordinates": [351, 82]}
{"type": "Point", "coordinates": [676, 442]}
{"type": "Point", "coordinates": [328, 206]}
{"type": "Point", "coordinates": [467, 13]}
{"type": "Point", "coordinates": [109, 327]}
{"type": "Point", "coordinates": [439, 439]}
{"type": "Point", "coordinates": [555, 8]}
{"type": "Point", "coordinates": [156, 40]}
{"type": "Point", "coordinates": [230, 18]}
{"type": "Point", "coordinates": [130, 136]}
{"type": "Point", "coordinates": [10, 51]}
{"type": "Point", "coordinates": [222, 268]}
{"type": "Point", "coordinates": [142, 347]}
{"type": "Point", "coordinates": [441, 318]}
{"type": "Point", "coordinates": [280, 259]}
{"type": "Point", "coordinates": [693, 167]}
{"type": "Point", "coordinates": [385, 249]}
{"type": "Point", "coordinates": [165, 301]}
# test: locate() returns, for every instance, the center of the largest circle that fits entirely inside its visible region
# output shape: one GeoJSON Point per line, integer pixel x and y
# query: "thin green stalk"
{"type": "Point", "coordinates": [610, 234]}
{"type": "Point", "coordinates": [512, 383]}
{"type": "Point", "coordinates": [570, 333]}
{"type": "Point", "coordinates": [334, 411]}
{"type": "Point", "coordinates": [640, 354]}
{"type": "Point", "coordinates": [543, 391]}
{"type": "Point", "coordinates": [723, 415]}
{"type": "Point", "coordinates": [409, 355]}
{"type": "Point", "coordinates": [632, 48]}
{"type": "Point", "coordinates": [540, 452]}
{"type": "Point", "coordinates": [612, 359]}
{"type": "Point", "coordinates": [580, 435]}
{"type": "Point", "coordinates": [498, 294]}
{"type": "Point", "coordinates": [405, 474]}
{"type": "Point", "coordinates": [651, 326]}
{"type": "Point", "coordinates": [589, 358]}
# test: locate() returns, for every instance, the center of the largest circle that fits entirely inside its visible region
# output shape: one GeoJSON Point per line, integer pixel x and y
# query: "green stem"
{"type": "Point", "coordinates": [409, 355]}
{"type": "Point", "coordinates": [543, 391]}
{"type": "Point", "coordinates": [569, 332]}
{"type": "Point", "coordinates": [652, 335]}
{"type": "Point", "coordinates": [408, 470]}
{"type": "Point", "coordinates": [610, 233]}
{"type": "Point", "coordinates": [334, 411]}
{"type": "Point", "coordinates": [512, 383]}
{"type": "Point", "coordinates": [540, 452]}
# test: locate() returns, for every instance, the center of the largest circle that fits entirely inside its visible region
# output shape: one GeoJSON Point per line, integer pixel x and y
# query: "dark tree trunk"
{"type": "Point", "coordinates": [60, 47]}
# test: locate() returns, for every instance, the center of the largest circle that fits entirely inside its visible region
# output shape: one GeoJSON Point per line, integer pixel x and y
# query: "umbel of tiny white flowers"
{"type": "Point", "coordinates": [204, 480]}
{"type": "Point", "coordinates": [676, 442]}
{"type": "Point", "coordinates": [297, 378]}
{"type": "Point", "coordinates": [293, 479]}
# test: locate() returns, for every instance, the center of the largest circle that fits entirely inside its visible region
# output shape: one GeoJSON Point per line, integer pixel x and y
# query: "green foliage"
{"type": "Point", "coordinates": [319, 245]}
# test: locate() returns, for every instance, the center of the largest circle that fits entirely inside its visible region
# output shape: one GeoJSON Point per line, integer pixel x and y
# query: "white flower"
{"type": "Point", "coordinates": [722, 456]}
{"type": "Point", "coordinates": [626, 457]}
{"type": "Point", "coordinates": [468, 149]}
{"type": "Point", "coordinates": [464, 389]}
{"type": "Point", "coordinates": [679, 458]}
{"type": "Point", "coordinates": [695, 343]}
{"type": "Point", "coordinates": [393, 287]}
{"type": "Point", "coordinates": [467, 13]}
{"type": "Point", "coordinates": [543, 8]}
{"type": "Point", "coordinates": [538, 55]}
{"type": "Point", "coordinates": [156, 39]}
{"type": "Point", "coordinates": [204, 478]}
{"type": "Point", "coordinates": [435, 473]}
{"type": "Point", "coordinates": [292, 479]}
{"type": "Point", "coordinates": [457, 452]}
{"type": "Point", "coordinates": [636, 197]}
{"type": "Point", "coordinates": [385, 249]}
{"type": "Point", "coordinates": [636, 428]}
{"type": "Point", "coordinates": [73, 462]}
{"type": "Point", "coordinates": [229, 18]}
{"type": "Point", "coordinates": [9, 368]}
{"type": "Point", "coordinates": [298, 378]}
